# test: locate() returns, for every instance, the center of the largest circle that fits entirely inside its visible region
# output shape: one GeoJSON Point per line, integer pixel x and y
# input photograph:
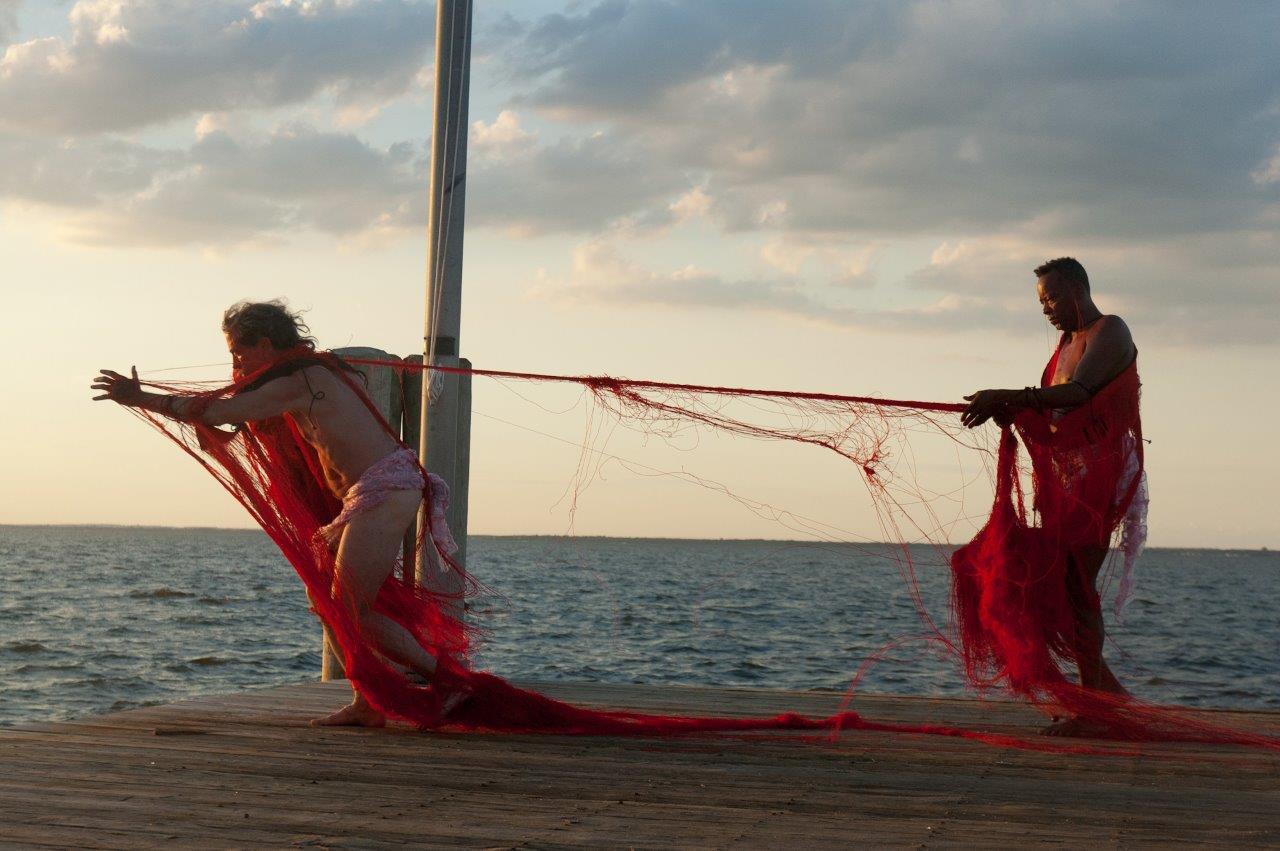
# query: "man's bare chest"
{"type": "Point", "coordinates": [1069, 357]}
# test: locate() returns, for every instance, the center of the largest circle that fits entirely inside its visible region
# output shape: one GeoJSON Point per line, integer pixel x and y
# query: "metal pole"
{"type": "Point", "coordinates": [446, 413]}
{"type": "Point", "coordinates": [448, 174]}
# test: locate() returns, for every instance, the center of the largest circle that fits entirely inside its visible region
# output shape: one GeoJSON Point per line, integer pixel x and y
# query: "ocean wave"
{"type": "Point", "coordinates": [197, 620]}
{"type": "Point", "coordinates": [159, 594]}
{"type": "Point", "coordinates": [33, 668]}
{"type": "Point", "coordinates": [25, 647]}
{"type": "Point", "coordinates": [122, 705]}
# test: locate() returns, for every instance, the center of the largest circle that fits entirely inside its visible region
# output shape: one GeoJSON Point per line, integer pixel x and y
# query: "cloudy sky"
{"type": "Point", "coordinates": [839, 196]}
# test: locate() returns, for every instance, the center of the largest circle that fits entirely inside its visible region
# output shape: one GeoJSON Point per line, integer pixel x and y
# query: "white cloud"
{"type": "Point", "coordinates": [224, 190]}
{"type": "Point", "coordinates": [1168, 292]}
{"type": "Point", "coordinates": [1268, 172]}
{"type": "Point", "coordinates": [1206, 289]}
{"type": "Point", "coordinates": [694, 204]}
{"type": "Point", "coordinates": [602, 275]}
{"type": "Point", "coordinates": [928, 118]}
{"type": "Point", "coordinates": [78, 174]}
{"type": "Point", "coordinates": [593, 183]}
{"type": "Point", "coordinates": [842, 263]}
{"type": "Point", "coordinates": [236, 184]}
{"type": "Point", "coordinates": [1136, 136]}
{"type": "Point", "coordinates": [133, 63]}
{"type": "Point", "coordinates": [994, 266]}
{"type": "Point", "coordinates": [504, 137]}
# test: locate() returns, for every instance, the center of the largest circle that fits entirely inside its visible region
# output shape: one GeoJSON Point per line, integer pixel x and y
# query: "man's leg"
{"type": "Point", "coordinates": [1083, 567]}
{"type": "Point", "coordinates": [1094, 672]}
{"type": "Point", "coordinates": [365, 558]}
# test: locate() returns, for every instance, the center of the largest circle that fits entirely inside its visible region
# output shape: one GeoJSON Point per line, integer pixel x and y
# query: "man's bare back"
{"type": "Point", "coordinates": [336, 422]}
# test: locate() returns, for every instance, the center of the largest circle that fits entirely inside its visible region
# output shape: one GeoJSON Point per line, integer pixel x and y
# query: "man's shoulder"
{"type": "Point", "coordinates": [304, 369]}
{"type": "Point", "coordinates": [325, 371]}
{"type": "Point", "coordinates": [332, 379]}
{"type": "Point", "coordinates": [276, 376]}
{"type": "Point", "coordinates": [287, 387]}
{"type": "Point", "coordinates": [1114, 337]}
{"type": "Point", "coordinates": [1114, 327]}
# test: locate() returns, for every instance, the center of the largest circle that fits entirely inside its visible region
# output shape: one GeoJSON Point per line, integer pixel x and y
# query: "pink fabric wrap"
{"type": "Point", "coordinates": [398, 471]}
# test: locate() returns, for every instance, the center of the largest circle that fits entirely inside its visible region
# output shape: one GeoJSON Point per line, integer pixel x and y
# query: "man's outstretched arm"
{"type": "Point", "coordinates": [270, 400]}
{"type": "Point", "coordinates": [1107, 356]}
{"type": "Point", "coordinates": [1003, 404]}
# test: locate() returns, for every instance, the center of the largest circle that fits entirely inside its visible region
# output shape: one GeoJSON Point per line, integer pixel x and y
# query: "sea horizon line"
{"type": "Point", "coordinates": [590, 537]}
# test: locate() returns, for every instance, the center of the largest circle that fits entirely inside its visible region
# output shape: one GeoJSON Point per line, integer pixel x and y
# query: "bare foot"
{"type": "Point", "coordinates": [356, 714]}
{"type": "Point", "coordinates": [1079, 728]}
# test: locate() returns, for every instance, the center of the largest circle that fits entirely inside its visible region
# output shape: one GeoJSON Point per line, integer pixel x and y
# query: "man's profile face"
{"type": "Point", "coordinates": [249, 358]}
{"type": "Point", "coordinates": [1059, 301]}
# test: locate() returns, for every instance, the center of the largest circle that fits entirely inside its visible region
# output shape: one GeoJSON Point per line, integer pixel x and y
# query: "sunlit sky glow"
{"type": "Point", "coordinates": [838, 196]}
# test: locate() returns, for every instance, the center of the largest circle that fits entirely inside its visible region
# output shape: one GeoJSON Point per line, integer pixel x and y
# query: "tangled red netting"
{"type": "Point", "coordinates": [1012, 627]}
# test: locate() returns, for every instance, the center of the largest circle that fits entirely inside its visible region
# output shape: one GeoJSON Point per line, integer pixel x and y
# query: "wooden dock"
{"type": "Point", "coordinates": [246, 770]}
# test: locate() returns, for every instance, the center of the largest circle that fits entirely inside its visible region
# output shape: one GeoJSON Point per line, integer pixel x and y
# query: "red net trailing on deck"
{"type": "Point", "coordinates": [1011, 629]}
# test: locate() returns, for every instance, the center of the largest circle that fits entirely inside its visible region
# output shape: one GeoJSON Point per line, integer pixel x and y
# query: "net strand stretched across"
{"type": "Point", "coordinates": [1011, 629]}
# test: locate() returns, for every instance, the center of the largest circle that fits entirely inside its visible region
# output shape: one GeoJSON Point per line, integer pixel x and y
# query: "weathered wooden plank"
{"type": "Point", "coordinates": [245, 769]}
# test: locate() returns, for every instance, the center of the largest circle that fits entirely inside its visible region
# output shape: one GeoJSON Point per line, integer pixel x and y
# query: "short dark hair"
{"type": "Point", "coordinates": [1067, 267]}
{"type": "Point", "coordinates": [250, 321]}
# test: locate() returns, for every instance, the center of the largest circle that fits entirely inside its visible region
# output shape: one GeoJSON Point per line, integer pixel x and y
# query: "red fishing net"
{"type": "Point", "coordinates": [1014, 586]}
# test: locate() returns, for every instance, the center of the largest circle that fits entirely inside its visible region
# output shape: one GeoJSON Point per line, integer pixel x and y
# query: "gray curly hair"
{"type": "Point", "coordinates": [250, 321]}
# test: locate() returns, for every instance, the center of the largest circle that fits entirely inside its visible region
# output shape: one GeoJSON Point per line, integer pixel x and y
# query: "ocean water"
{"type": "Point", "coordinates": [95, 619]}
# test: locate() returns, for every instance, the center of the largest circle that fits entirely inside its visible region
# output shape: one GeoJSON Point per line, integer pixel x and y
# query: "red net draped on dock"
{"type": "Point", "coordinates": [1011, 629]}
